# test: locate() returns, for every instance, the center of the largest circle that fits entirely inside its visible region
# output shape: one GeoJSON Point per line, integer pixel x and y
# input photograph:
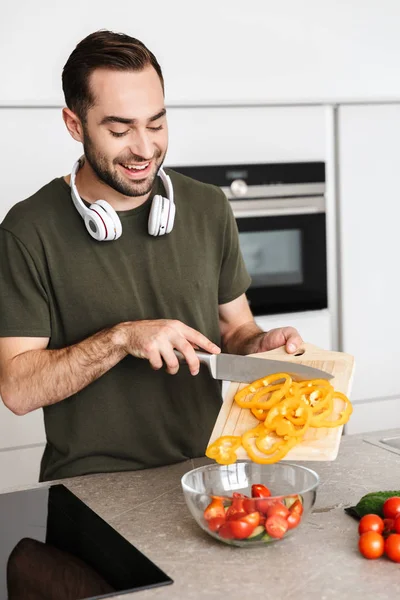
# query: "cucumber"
{"type": "Point", "coordinates": [257, 534]}
{"type": "Point", "coordinates": [371, 503]}
{"type": "Point", "coordinates": [267, 538]}
{"type": "Point", "coordinates": [290, 500]}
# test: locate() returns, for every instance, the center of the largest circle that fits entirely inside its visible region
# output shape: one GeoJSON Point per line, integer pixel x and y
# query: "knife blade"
{"type": "Point", "coordinates": [233, 367]}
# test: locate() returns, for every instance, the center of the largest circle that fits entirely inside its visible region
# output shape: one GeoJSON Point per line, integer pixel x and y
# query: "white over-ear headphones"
{"type": "Point", "coordinates": [103, 223]}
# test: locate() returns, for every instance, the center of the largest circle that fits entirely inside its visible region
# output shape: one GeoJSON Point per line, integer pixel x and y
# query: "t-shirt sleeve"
{"type": "Point", "coordinates": [24, 308]}
{"type": "Point", "coordinates": [234, 278]}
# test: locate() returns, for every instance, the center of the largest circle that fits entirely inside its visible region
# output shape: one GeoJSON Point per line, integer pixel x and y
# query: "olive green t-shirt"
{"type": "Point", "coordinates": [56, 281]}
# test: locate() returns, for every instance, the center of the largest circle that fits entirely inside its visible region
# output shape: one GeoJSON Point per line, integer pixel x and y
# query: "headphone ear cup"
{"type": "Point", "coordinates": [155, 215]}
{"type": "Point", "coordinates": [114, 226]}
{"type": "Point", "coordinates": [162, 216]}
{"type": "Point", "coordinates": [95, 225]}
{"type": "Point", "coordinates": [171, 216]}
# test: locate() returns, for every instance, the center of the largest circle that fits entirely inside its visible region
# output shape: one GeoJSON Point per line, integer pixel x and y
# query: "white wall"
{"type": "Point", "coordinates": [214, 50]}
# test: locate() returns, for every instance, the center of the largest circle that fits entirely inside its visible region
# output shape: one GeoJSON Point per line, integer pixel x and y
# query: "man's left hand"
{"type": "Point", "coordinates": [282, 336]}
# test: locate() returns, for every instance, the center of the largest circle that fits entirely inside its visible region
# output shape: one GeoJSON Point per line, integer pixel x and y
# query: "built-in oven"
{"type": "Point", "coordinates": [280, 214]}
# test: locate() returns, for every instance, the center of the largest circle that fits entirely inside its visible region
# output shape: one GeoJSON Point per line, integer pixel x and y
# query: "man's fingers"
{"type": "Point", "coordinates": [198, 339]}
{"type": "Point", "coordinates": [293, 341]}
{"type": "Point", "coordinates": [155, 359]}
{"type": "Point", "coordinates": [185, 348]}
{"type": "Point", "coordinates": [170, 359]}
{"type": "Point", "coordinates": [281, 336]}
{"type": "Point", "coordinates": [156, 341]}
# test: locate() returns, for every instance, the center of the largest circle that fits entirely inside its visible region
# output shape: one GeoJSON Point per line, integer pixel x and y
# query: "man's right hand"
{"type": "Point", "coordinates": [156, 341]}
{"type": "Point", "coordinates": [32, 376]}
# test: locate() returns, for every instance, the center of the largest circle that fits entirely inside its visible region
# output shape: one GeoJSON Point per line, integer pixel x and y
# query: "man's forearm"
{"type": "Point", "coordinates": [244, 340]}
{"type": "Point", "coordinates": [38, 378]}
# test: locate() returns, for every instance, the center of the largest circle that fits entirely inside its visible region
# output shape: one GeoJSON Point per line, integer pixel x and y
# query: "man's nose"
{"type": "Point", "coordinates": [141, 144]}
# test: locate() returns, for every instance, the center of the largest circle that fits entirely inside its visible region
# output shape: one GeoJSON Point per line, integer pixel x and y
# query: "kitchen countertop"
{"type": "Point", "coordinates": [320, 561]}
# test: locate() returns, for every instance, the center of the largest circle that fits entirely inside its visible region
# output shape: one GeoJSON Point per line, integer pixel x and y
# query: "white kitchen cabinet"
{"type": "Point", "coordinates": [314, 326]}
{"type": "Point", "coordinates": [39, 148]}
{"type": "Point", "coordinates": [369, 217]}
{"type": "Point", "coordinates": [374, 415]}
{"type": "Point", "coordinates": [213, 136]}
{"type": "Point", "coordinates": [20, 466]}
{"type": "Point", "coordinates": [17, 431]}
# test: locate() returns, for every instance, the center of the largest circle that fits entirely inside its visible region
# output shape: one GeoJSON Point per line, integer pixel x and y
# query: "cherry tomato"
{"type": "Point", "coordinates": [258, 490]}
{"type": "Point", "coordinates": [392, 547]}
{"type": "Point", "coordinates": [262, 519]}
{"type": "Point", "coordinates": [249, 505]}
{"type": "Point", "coordinates": [371, 523]}
{"type": "Point", "coordinates": [240, 529]}
{"type": "Point", "coordinates": [252, 518]}
{"type": "Point", "coordinates": [297, 507]}
{"type": "Point", "coordinates": [215, 523]}
{"type": "Point", "coordinates": [263, 504]}
{"type": "Point", "coordinates": [371, 544]}
{"type": "Point", "coordinates": [293, 520]}
{"type": "Point", "coordinates": [396, 525]}
{"type": "Point", "coordinates": [236, 509]}
{"type": "Point", "coordinates": [225, 531]}
{"type": "Point", "coordinates": [276, 526]}
{"type": "Point", "coordinates": [391, 507]}
{"type": "Point", "coordinates": [214, 509]}
{"type": "Point", "coordinates": [278, 509]}
{"type": "Point", "coordinates": [388, 526]}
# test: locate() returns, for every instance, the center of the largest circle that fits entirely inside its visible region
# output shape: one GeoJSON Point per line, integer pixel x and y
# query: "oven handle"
{"type": "Point", "coordinates": [277, 212]}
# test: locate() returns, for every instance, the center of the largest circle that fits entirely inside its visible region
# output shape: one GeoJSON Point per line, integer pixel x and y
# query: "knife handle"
{"type": "Point", "coordinates": [204, 357]}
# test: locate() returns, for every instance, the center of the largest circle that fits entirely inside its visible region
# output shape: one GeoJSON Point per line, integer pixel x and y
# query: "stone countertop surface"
{"type": "Point", "coordinates": [319, 561]}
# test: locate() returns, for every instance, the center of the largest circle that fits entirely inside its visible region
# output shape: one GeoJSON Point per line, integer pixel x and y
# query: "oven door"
{"type": "Point", "coordinates": [285, 256]}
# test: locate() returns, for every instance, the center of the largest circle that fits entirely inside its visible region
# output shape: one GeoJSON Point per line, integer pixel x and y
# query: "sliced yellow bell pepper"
{"type": "Point", "coordinates": [223, 450]}
{"type": "Point", "coordinates": [344, 415]}
{"type": "Point", "coordinates": [281, 448]}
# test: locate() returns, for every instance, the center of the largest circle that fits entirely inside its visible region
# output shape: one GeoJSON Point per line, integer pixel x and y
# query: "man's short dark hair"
{"type": "Point", "coordinates": [107, 50]}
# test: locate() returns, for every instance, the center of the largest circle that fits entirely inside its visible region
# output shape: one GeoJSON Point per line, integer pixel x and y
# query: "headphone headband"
{"type": "Point", "coordinates": [77, 200]}
{"type": "Point", "coordinates": [167, 184]}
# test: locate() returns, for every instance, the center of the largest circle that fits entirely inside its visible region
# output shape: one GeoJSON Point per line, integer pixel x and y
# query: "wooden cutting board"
{"type": "Point", "coordinates": [318, 443]}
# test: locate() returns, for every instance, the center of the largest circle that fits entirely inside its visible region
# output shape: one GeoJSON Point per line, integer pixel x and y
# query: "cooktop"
{"type": "Point", "coordinates": [53, 546]}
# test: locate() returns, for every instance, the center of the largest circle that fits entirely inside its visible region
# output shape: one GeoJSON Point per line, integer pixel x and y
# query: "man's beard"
{"type": "Point", "coordinates": [99, 165]}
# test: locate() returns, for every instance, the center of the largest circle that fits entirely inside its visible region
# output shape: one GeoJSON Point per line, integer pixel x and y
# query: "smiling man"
{"type": "Point", "coordinates": [106, 272]}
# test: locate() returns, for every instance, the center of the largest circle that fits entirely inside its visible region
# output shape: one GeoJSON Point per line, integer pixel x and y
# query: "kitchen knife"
{"type": "Point", "coordinates": [232, 367]}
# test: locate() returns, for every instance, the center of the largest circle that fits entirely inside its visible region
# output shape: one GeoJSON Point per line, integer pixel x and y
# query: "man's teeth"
{"type": "Point", "coordinates": [136, 167]}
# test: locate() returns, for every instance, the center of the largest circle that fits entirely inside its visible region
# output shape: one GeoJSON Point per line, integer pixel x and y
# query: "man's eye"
{"type": "Point", "coordinates": [115, 134]}
{"type": "Point", "coordinates": [155, 128]}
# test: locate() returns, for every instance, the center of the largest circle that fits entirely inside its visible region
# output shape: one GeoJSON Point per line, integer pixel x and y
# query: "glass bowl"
{"type": "Point", "coordinates": [221, 500]}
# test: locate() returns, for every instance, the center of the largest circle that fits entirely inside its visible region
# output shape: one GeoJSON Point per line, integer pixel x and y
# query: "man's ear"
{"type": "Point", "coordinates": [73, 124]}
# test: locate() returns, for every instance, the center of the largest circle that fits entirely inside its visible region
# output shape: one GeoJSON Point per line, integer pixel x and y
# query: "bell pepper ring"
{"type": "Point", "coordinates": [223, 450]}
{"type": "Point", "coordinates": [249, 390]}
{"type": "Point", "coordinates": [344, 415]}
{"type": "Point", "coordinates": [324, 411]}
{"type": "Point", "coordinates": [245, 398]}
{"type": "Point", "coordinates": [290, 417]}
{"type": "Point", "coordinates": [260, 401]}
{"type": "Point", "coordinates": [264, 444]}
{"type": "Point", "coordinates": [249, 438]}
{"type": "Point", "coordinates": [259, 413]}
